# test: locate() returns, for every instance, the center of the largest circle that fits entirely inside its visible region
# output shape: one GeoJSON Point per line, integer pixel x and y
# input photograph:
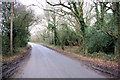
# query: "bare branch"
{"type": "Point", "coordinates": [59, 4]}
{"type": "Point", "coordinates": [34, 5]}
{"type": "Point", "coordinates": [53, 11]}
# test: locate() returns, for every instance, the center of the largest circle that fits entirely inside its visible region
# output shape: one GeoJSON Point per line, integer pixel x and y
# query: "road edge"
{"type": "Point", "coordinates": [10, 67]}
{"type": "Point", "coordinates": [89, 64]}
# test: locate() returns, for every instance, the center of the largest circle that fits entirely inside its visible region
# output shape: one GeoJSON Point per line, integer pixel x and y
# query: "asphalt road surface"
{"type": "Point", "coordinates": [46, 63]}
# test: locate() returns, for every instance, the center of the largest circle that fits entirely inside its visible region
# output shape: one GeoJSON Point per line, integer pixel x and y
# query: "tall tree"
{"type": "Point", "coordinates": [22, 19]}
{"type": "Point", "coordinates": [116, 12]}
{"type": "Point", "coordinates": [77, 10]}
{"type": "Point", "coordinates": [115, 8]}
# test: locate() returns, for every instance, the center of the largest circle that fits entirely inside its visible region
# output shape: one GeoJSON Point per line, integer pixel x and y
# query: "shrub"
{"type": "Point", "coordinates": [98, 41]}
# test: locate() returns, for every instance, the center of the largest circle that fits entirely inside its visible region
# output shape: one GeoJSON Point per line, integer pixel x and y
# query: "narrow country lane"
{"type": "Point", "coordinates": [46, 63]}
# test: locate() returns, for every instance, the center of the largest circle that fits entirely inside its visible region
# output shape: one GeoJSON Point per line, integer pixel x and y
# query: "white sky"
{"type": "Point", "coordinates": [35, 8]}
{"type": "Point", "coordinates": [39, 11]}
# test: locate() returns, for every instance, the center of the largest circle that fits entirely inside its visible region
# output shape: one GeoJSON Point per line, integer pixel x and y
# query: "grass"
{"type": "Point", "coordinates": [101, 55]}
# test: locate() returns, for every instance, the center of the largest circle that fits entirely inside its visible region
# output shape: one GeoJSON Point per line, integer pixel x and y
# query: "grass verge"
{"type": "Point", "coordinates": [20, 51]}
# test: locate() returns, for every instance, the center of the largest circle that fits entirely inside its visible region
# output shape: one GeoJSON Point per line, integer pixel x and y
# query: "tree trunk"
{"type": "Point", "coordinates": [55, 37]}
{"type": "Point", "coordinates": [116, 11]}
{"type": "Point", "coordinates": [85, 51]}
{"type": "Point", "coordinates": [62, 44]}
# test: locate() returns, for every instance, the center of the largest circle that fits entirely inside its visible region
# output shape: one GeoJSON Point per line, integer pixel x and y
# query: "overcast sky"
{"type": "Point", "coordinates": [36, 2]}
{"type": "Point", "coordinates": [39, 11]}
